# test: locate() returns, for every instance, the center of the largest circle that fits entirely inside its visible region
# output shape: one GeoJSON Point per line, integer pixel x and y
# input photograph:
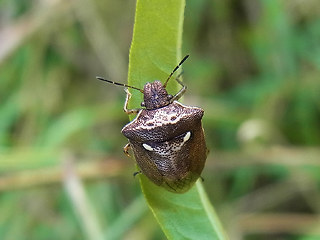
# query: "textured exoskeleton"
{"type": "Point", "coordinates": [166, 137]}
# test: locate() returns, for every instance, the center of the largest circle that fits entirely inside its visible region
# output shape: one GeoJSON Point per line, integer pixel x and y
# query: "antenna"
{"type": "Point", "coordinates": [174, 70]}
{"type": "Point", "coordinates": [119, 84]}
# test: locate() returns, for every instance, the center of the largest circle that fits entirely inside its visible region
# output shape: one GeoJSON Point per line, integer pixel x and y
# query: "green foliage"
{"type": "Point", "coordinates": [153, 55]}
{"type": "Point", "coordinates": [254, 67]}
{"type": "Point", "coordinates": [183, 216]}
{"type": "Point", "coordinates": [156, 44]}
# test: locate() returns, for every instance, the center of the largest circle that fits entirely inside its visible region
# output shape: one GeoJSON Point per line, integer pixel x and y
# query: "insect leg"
{"type": "Point", "coordinates": [180, 74]}
{"type": "Point", "coordinates": [136, 173]}
{"type": "Point", "coordinates": [181, 92]}
{"type": "Point", "coordinates": [125, 108]}
{"type": "Point", "coordinates": [126, 149]}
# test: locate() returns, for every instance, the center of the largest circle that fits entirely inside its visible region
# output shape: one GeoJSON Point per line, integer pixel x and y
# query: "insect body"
{"type": "Point", "coordinates": [166, 137]}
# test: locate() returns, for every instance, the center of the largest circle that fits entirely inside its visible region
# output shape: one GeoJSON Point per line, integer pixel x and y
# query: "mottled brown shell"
{"type": "Point", "coordinates": [169, 145]}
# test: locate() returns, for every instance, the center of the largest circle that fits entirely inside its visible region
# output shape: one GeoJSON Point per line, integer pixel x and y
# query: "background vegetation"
{"type": "Point", "coordinates": [254, 68]}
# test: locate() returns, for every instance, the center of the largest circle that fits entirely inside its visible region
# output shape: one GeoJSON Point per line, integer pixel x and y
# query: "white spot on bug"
{"type": "Point", "coordinates": [170, 149]}
{"type": "Point", "coordinates": [186, 137]}
{"type": "Point", "coordinates": [147, 147]}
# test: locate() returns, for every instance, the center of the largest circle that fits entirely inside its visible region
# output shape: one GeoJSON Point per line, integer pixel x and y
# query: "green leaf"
{"type": "Point", "coordinates": [155, 51]}
{"type": "Point", "coordinates": [155, 48]}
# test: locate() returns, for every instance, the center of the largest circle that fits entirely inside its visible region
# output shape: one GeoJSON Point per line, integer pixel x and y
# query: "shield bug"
{"type": "Point", "coordinates": [166, 136]}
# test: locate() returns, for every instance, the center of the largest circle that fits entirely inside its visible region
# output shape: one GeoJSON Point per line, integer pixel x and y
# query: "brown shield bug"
{"type": "Point", "coordinates": [166, 136]}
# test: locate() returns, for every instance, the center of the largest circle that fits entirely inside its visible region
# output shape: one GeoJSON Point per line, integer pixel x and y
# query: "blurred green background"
{"type": "Point", "coordinates": [254, 68]}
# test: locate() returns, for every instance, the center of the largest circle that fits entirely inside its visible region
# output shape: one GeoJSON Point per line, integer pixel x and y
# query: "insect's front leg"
{"type": "Point", "coordinates": [125, 108]}
{"type": "Point", "coordinates": [181, 92]}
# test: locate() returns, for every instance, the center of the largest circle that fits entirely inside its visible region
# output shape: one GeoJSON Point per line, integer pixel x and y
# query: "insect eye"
{"type": "Point", "coordinates": [143, 104]}
{"type": "Point", "coordinates": [169, 96]}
